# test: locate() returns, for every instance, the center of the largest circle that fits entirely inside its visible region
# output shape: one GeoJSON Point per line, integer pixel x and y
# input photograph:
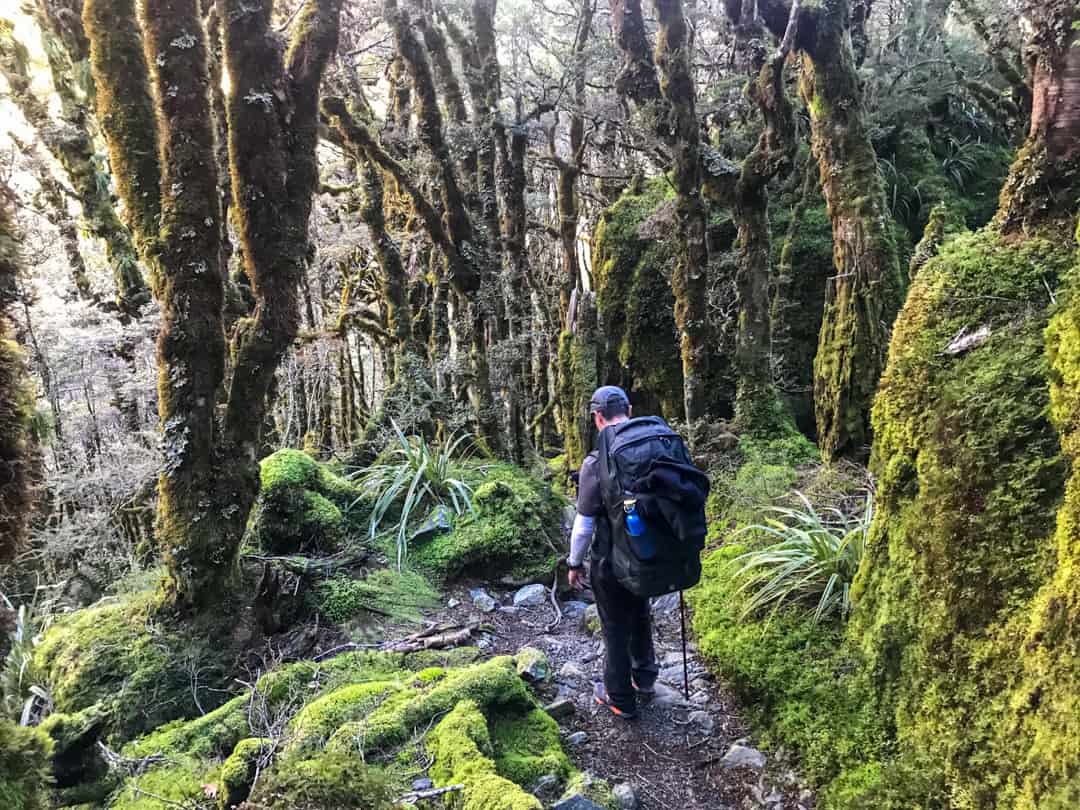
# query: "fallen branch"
{"type": "Point", "coordinates": [555, 603]}
{"type": "Point", "coordinates": [431, 793]}
{"type": "Point", "coordinates": [309, 566]}
{"type": "Point", "coordinates": [432, 638]}
{"type": "Point", "coordinates": [130, 766]}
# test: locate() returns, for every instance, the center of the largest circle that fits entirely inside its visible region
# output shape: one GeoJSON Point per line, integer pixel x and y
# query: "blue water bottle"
{"type": "Point", "coordinates": [640, 539]}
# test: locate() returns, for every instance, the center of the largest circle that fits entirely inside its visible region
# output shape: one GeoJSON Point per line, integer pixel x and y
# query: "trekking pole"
{"type": "Point", "coordinates": [685, 666]}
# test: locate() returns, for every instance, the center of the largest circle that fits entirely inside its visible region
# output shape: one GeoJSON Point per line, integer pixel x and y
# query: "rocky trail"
{"type": "Point", "coordinates": [677, 755]}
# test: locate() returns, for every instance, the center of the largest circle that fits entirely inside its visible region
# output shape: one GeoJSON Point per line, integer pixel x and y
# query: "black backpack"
{"type": "Point", "coordinates": [644, 461]}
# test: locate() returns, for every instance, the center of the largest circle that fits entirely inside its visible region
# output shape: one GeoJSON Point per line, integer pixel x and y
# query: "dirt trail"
{"type": "Point", "coordinates": [668, 756]}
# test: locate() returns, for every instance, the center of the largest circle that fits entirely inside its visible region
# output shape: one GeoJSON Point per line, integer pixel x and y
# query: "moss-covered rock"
{"type": "Point", "coordinates": [321, 781]}
{"type": "Point", "coordinates": [184, 781]}
{"type": "Point", "coordinates": [462, 751]}
{"type": "Point", "coordinates": [527, 746]}
{"type": "Point", "coordinates": [133, 663]}
{"type": "Point", "coordinates": [302, 505]}
{"type": "Point", "coordinates": [24, 767]}
{"type": "Point", "coordinates": [385, 591]}
{"type": "Point", "coordinates": [74, 756]}
{"type": "Point", "coordinates": [239, 770]}
{"type": "Point", "coordinates": [515, 530]}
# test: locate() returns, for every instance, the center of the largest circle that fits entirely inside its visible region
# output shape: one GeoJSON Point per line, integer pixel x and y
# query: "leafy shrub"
{"type": "Point", "coordinates": [815, 559]}
{"type": "Point", "coordinates": [420, 476]}
{"type": "Point", "coordinates": [24, 769]}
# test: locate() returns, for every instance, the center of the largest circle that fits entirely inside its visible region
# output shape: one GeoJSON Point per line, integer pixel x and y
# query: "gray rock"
{"type": "Point", "coordinates": [483, 601]}
{"type": "Point", "coordinates": [805, 797]}
{"type": "Point", "coordinates": [702, 721]}
{"type": "Point", "coordinates": [560, 708]}
{"type": "Point", "coordinates": [530, 596]}
{"type": "Point", "coordinates": [532, 664]}
{"type": "Point", "coordinates": [453, 603]}
{"type": "Point", "coordinates": [742, 756]}
{"type": "Point", "coordinates": [546, 785]}
{"type": "Point", "coordinates": [574, 609]}
{"type": "Point", "coordinates": [576, 803]}
{"type": "Point", "coordinates": [775, 798]}
{"type": "Point", "coordinates": [672, 675]}
{"type": "Point", "coordinates": [422, 784]}
{"type": "Point", "coordinates": [666, 604]}
{"type": "Point", "coordinates": [666, 697]}
{"type": "Point", "coordinates": [440, 521]}
{"type": "Point", "coordinates": [700, 698]}
{"type": "Point", "coordinates": [577, 738]}
{"type": "Point", "coordinates": [625, 796]}
{"type": "Point", "coordinates": [572, 671]}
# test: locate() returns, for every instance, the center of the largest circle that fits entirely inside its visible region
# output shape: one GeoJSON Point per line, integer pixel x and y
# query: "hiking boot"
{"type": "Point", "coordinates": [600, 694]}
{"type": "Point", "coordinates": [644, 693]}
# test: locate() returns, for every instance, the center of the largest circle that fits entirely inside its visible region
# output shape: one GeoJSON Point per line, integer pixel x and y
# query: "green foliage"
{"type": "Point", "coordinates": [516, 527]}
{"type": "Point", "coordinates": [462, 751]}
{"type": "Point", "coordinates": [320, 718]}
{"type": "Point", "coordinates": [814, 558]}
{"type": "Point", "coordinates": [302, 505]}
{"type": "Point", "coordinates": [213, 735]}
{"type": "Point", "coordinates": [24, 767]}
{"type": "Point", "coordinates": [396, 594]}
{"type": "Point", "coordinates": [22, 690]}
{"type": "Point", "coordinates": [420, 477]}
{"type": "Point", "coordinates": [179, 782]}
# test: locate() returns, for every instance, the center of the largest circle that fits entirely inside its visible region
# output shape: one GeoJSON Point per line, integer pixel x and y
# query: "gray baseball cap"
{"type": "Point", "coordinates": [607, 395]}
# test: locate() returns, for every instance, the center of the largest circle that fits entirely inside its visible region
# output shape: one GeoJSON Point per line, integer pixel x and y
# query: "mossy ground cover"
{"type": "Point", "coordinates": [349, 732]}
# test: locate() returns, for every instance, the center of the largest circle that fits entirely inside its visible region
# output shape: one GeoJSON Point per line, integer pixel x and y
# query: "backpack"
{"type": "Point", "coordinates": [645, 465]}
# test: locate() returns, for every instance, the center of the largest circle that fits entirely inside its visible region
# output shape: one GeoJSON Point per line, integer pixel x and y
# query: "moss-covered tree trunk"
{"type": "Point", "coordinates": [16, 398]}
{"type": "Point", "coordinates": [689, 278]}
{"type": "Point", "coordinates": [863, 295]}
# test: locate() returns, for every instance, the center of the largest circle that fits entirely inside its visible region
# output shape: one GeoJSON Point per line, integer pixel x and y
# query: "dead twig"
{"type": "Point", "coordinates": [555, 603]}
{"type": "Point", "coordinates": [429, 639]}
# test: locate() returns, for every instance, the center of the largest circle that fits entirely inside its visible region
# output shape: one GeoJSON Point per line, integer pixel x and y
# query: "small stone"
{"type": "Point", "coordinates": [532, 664]}
{"type": "Point", "coordinates": [702, 721]}
{"type": "Point", "coordinates": [625, 796]}
{"type": "Point", "coordinates": [774, 798]}
{"type": "Point", "coordinates": [666, 697]}
{"type": "Point", "coordinates": [453, 603]}
{"type": "Point", "coordinates": [806, 796]}
{"type": "Point", "coordinates": [485, 602]}
{"type": "Point", "coordinates": [663, 605]}
{"type": "Point", "coordinates": [422, 784]}
{"type": "Point", "coordinates": [742, 756]}
{"type": "Point", "coordinates": [590, 620]}
{"type": "Point", "coordinates": [573, 671]}
{"type": "Point", "coordinates": [577, 738]}
{"type": "Point", "coordinates": [700, 698]}
{"type": "Point", "coordinates": [573, 609]}
{"type": "Point", "coordinates": [531, 596]}
{"type": "Point", "coordinates": [672, 675]}
{"type": "Point", "coordinates": [546, 785]}
{"type": "Point", "coordinates": [576, 802]}
{"type": "Point", "coordinates": [560, 708]}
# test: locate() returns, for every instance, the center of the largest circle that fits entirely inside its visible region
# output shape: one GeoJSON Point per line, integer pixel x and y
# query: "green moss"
{"type": "Point", "coordinates": [314, 724]}
{"type": "Point", "coordinates": [385, 591]}
{"type": "Point", "coordinates": [598, 791]}
{"type": "Point", "coordinates": [530, 659]}
{"type": "Point", "coordinates": [462, 752]}
{"type": "Point", "coordinates": [239, 770]}
{"type": "Point", "coordinates": [131, 663]}
{"type": "Point", "coordinates": [494, 683]}
{"type": "Point", "coordinates": [74, 756]}
{"type": "Point", "coordinates": [24, 767]}
{"type": "Point", "coordinates": [632, 268]}
{"type": "Point", "coordinates": [179, 782]}
{"type": "Point", "coordinates": [527, 746]}
{"type": "Point", "coordinates": [303, 505]}
{"type": "Point", "coordinates": [212, 735]}
{"type": "Point", "coordinates": [321, 781]}
{"type": "Point", "coordinates": [516, 524]}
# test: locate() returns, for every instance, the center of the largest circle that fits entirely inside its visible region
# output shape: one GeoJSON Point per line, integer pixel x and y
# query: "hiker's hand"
{"type": "Point", "coordinates": [577, 578]}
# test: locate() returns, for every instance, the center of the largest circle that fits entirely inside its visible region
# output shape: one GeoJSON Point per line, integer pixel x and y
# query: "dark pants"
{"type": "Point", "coordinates": [628, 641]}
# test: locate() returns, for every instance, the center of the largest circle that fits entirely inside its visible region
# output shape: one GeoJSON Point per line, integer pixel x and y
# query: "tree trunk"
{"type": "Point", "coordinates": [864, 294]}
{"type": "Point", "coordinates": [689, 279]}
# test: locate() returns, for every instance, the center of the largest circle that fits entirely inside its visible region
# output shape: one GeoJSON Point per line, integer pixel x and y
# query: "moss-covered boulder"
{"type": "Point", "coordinates": [24, 767]}
{"type": "Point", "coordinates": [134, 664]}
{"type": "Point", "coordinates": [349, 732]}
{"type": "Point", "coordinates": [303, 505]}
{"type": "Point", "coordinates": [515, 531]}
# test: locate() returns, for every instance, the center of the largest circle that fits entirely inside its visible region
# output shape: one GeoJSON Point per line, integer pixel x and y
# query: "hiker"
{"type": "Point", "coordinates": [640, 506]}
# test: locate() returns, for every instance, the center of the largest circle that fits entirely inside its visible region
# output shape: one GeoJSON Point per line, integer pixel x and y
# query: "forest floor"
{"type": "Point", "coordinates": [671, 761]}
